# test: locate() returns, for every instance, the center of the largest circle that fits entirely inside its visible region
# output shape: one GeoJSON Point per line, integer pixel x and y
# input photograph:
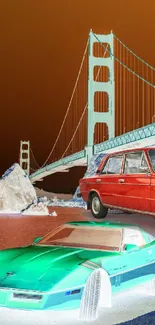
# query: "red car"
{"type": "Point", "coordinates": [124, 180]}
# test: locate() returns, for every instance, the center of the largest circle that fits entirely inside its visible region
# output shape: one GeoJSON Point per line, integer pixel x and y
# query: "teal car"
{"type": "Point", "coordinates": [79, 265]}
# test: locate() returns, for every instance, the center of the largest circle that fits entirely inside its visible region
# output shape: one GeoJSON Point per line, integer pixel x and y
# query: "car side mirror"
{"type": "Point", "coordinates": [98, 171]}
{"type": "Point", "coordinates": [129, 247]}
{"type": "Point", "coordinates": [37, 239]}
{"type": "Point", "coordinates": [144, 169]}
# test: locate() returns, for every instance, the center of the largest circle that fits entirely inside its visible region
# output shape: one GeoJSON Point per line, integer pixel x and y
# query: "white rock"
{"type": "Point", "coordinates": [37, 209]}
{"type": "Point", "coordinates": [53, 214]}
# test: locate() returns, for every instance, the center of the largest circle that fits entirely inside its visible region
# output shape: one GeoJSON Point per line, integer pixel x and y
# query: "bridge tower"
{"type": "Point", "coordinates": [95, 86]}
{"type": "Point", "coordinates": [24, 159]}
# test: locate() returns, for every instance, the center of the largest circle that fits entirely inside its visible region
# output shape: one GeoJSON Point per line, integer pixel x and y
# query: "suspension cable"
{"type": "Point", "coordinates": [34, 159]}
{"type": "Point", "coordinates": [77, 79]}
{"type": "Point", "coordinates": [84, 108]}
{"type": "Point", "coordinates": [124, 65]}
{"type": "Point", "coordinates": [138, 57]}
{"type": "Point", "coordinates": [75, 130]}
{"type": "Point", "coordinates": [34, 170]}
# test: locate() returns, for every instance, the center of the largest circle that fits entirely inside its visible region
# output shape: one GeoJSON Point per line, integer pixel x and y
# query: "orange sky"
{"type": "Point", "coordinates": [41, 45]}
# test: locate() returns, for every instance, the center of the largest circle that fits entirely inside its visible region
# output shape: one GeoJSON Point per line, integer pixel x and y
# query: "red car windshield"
{"type": "Point", "coordinates": [104, 238]}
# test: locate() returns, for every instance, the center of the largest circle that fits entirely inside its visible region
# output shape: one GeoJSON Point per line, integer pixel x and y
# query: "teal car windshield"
{"type": "Point", "coordinates": [86, 237]}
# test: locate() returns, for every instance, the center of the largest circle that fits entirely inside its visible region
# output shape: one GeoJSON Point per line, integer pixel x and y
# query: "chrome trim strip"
{"type": "Point", "coordinates": [116, 183]}
{"type": "Point", "coordinates": [41, 292]}
{"type": "Point", "coordinates": [135, 197]}
{"type": "Point", "coordinates": [22, 290]}
{"type": "Point", "coordinates": [127, 209]}
{"type": "Point", "coordinates": [106, 183]}
{"type": "Point", "coordinates": [134, 184]}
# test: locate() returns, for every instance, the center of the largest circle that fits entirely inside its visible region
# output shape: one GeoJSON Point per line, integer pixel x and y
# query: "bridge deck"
{"type": "Point", "coordinates": [141, 137]}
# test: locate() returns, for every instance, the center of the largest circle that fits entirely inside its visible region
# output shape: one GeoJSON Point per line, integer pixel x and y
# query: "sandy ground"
{"type": "Point", "coordinates": [21, 230]}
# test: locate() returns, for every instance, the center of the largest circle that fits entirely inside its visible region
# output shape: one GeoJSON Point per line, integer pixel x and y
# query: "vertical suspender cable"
{"type": "Point", "coordinates": [143, 99]}
{"type": "Point", "coordinates": [124, 92]}
{"type": "Point", "coordinates": [151, 97]}
{"type": "Point", "coordinates": [121, 111]}
{"type": "Point", "coordinates": [97, 101]}
{"type": "Point", "coordinates": [116, 89]}
{"type": "Point", "coordinates": [138, 120]}
{"type": "Point", "coordinates": [147, 98]}
{"type": "Point", "coordinates": [134, 111]}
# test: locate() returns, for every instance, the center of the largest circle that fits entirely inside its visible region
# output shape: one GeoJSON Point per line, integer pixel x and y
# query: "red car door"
{"type": "Point", "coordinates": [107, 180]}
{"type": "Point", "coordinates": [153, 193]}
{"type": "Point", "coordinates": [134, 183]}
{"type": "Point", "coordinates": [151, 156]}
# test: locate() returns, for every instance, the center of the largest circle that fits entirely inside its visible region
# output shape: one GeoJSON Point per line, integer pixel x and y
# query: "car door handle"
{"type": "Point", "coordinates": [98, 180]}
{"type": "Point", "coordinates": [121, 180]}
{"type": "Point", "coordinates": [120, 268]}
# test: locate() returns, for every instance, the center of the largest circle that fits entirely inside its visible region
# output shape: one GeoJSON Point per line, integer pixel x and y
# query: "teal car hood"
{"type": "Point", "coordinates": [43, 267]}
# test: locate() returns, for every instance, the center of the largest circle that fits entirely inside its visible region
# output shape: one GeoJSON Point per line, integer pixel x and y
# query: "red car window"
{"type": "Point", "coordinates": [135, 163]}
{"type": "Point", "coordinates": [113, 165]}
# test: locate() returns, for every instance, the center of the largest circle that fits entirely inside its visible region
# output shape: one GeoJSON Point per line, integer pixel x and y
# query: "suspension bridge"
{"type": "Point", "coordinates": [112, 106]}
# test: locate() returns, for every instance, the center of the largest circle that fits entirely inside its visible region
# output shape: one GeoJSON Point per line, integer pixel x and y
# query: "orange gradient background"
{"type": "Point", "coordinates": [41, 46]}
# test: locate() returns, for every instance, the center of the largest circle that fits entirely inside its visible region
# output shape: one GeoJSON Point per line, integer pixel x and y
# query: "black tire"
{"type": "Point", "coordinates": [97, 208]}
{"type": "Point", "coordinates": [89, 306]}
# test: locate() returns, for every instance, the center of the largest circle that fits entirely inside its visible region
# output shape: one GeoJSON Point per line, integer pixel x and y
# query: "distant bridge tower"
{"type": "Point", "coordinates": [95, 86]}
{"type": "Point", "coordinates": [24, 160]}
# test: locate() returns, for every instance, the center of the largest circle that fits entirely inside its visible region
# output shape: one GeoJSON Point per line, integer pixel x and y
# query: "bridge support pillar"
{"type": "Point", "coordinates": [89, 150]}
{"type": "Point", "coordinates": [99, 86]}
{"type": "Point", "coordinates": [24, 159]}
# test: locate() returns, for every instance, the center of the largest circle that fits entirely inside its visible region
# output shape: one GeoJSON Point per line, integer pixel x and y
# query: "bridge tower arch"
{"type": "Point", "coordinates": [24, 159]}
{"type": "Point", "coordinates": [95, 86]}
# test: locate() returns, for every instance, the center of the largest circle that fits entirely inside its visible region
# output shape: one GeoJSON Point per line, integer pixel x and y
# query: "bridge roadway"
{"type": "Point", "coordinates": [141, 137]}
{"type": "Point", "coordinates": [20, 230]}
